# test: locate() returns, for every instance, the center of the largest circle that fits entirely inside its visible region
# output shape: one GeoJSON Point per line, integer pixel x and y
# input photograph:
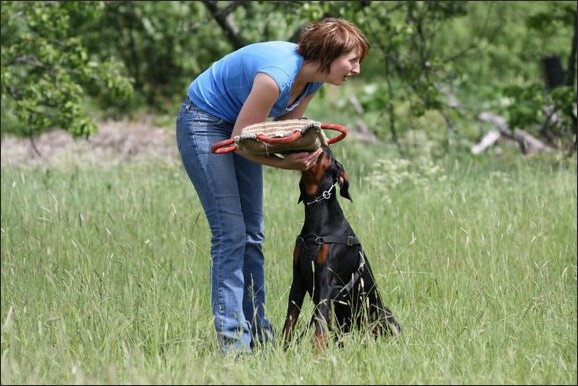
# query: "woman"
{"type": "Point", "coordinates": [259, 81]}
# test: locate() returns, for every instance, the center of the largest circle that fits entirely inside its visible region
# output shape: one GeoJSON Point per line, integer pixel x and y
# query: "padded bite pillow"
{"type": "Point", "coordinates": [279, 137]}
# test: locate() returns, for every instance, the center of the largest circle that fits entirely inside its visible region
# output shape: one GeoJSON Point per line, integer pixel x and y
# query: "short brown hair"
{"type": "Point", "coordinates": [325, 40]}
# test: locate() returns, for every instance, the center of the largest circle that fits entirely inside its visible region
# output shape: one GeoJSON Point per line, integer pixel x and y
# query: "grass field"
{"type": "Point", "coordinates": [105, 275]}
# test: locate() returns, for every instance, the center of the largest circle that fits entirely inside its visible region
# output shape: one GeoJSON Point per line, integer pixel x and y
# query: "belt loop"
{"type": "Point", "coordinates": [189, 102]}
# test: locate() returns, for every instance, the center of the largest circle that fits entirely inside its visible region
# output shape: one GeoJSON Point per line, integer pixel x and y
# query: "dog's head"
{"type": "Point", "coordinates": [326, 172]}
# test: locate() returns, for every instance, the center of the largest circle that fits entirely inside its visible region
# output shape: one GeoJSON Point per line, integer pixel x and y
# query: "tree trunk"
{"type": "Point", "coordinates": [222, 17]}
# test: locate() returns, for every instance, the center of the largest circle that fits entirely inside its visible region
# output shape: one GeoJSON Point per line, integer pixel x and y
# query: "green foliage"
{"type": "Point", "coordinates": [552, 111]}
{"type": "Point", "coordinates": [552, 16]}
{"type": "Point", "coordinates": [164, 45]}
{"type": "Point", "coordinates": [159, 43]}
{"type": "Point", "coordinates": [46, 68]}
{"type": "Point", "coordinates": [451, 58]}
{"type": "Point", "coordinates": [404, 35]}
{"type": "Point", "coordinates": [525, 104]}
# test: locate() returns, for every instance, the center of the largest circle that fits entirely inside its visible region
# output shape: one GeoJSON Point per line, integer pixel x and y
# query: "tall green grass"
{"type": "Point", "coordinates": [105, 275]}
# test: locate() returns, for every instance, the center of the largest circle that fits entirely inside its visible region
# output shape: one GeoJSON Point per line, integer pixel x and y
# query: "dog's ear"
{"type": "Point", "coordinates": [301, 186]}
{"type": "Point", "coordinates": [343, 181]}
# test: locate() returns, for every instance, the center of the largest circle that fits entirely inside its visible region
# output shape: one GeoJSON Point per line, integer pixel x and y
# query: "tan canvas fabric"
{"type": "Point", "coordinates": [312, 136]}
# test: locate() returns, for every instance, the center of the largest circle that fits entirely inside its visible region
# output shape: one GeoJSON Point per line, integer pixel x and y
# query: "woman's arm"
{"type": "Point", "coordinates": [256, 109]}
{"type": "Point", "coordinates": [258, 104]}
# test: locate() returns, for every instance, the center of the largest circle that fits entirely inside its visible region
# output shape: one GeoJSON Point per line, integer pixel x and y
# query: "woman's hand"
{"type": "Point", "coordinates": [302, 160]}
{"type": "Point", "coordinates": [293, 161]}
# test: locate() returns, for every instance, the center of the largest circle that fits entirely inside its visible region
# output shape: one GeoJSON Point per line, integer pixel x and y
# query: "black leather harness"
{"type": "Point", "coordinates": [331, 239]}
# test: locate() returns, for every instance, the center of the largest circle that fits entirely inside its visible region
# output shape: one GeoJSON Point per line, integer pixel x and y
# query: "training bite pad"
{"type": "Point", "coordinates": [279, 137]}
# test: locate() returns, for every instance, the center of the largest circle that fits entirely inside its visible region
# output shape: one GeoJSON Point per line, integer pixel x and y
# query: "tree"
{"type": "Point", "coordinates": [550, 107]}
{"type": "Point", "coordinates": [47, 72]}
{"type": "Point", "coordinates": [449, 60]}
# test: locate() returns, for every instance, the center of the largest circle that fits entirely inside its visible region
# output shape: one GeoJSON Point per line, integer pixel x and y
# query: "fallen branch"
{"type": "Point", "coordinates": [528, 143]}
{"type": "Point", "coordinates": [488, 140]}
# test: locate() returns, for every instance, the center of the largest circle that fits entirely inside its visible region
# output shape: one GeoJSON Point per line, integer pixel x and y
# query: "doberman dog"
{"type": "Point", "coordinates": [329, 263]}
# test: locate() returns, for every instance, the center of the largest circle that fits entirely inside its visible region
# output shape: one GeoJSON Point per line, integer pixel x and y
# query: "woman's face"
{"type": "Point", "coordinates": [343, 67]}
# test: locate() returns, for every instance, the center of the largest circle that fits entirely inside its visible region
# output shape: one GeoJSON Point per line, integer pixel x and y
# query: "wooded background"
{"type": "Point", "coordinates": [507, 69]}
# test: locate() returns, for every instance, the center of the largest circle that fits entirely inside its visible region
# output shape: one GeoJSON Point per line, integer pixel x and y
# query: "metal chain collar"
{"type": "Point", "coordinates": [324, 196]}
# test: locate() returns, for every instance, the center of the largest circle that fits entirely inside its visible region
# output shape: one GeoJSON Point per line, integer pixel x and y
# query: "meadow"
{"type": "Point", "coordinates": [105, 275]}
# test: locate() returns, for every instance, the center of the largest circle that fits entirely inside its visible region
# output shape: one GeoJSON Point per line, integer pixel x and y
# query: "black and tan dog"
{"type": "Point", "coordinates": [329, 262]}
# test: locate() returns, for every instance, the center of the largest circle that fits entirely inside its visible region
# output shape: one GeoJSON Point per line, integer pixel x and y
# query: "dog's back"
{"type": "Point", "coordinates": [329, 262]}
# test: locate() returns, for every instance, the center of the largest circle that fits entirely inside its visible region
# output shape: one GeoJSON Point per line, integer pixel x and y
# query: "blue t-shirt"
{"type": "Point", "coordinates": [222, 89]}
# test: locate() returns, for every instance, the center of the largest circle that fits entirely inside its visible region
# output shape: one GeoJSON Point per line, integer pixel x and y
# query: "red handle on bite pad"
{"type": "Point", "coordinates": [277, 140]}
{"type": "Point", "coordinates": [224, 146]}
{"type": "Point", "coordinates": [334, 126]}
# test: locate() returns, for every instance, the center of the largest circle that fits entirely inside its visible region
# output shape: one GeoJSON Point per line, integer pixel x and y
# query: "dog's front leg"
{"type": "Point", "coordinates": [296, 297]}
{"type": "Point", "coordinates": [323, 309]}
{"type": "Point", "coordinates": [321, 321]}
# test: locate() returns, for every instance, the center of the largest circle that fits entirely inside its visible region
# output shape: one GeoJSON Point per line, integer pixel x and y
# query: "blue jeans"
{"type": "Point", "coordinates": [230, 189]}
